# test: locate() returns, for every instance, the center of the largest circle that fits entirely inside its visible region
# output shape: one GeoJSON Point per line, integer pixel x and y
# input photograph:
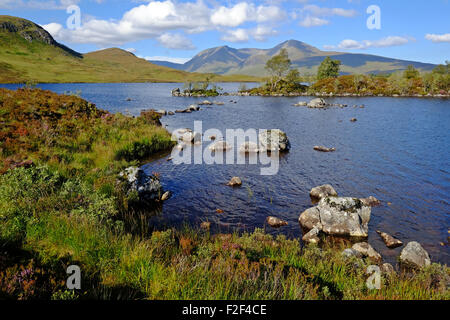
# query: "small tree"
{"type": "Point", "coordinates": [328, 69]}
{"type": "Point", "coordinates": [293, 76]}
{"type": "Point", "coordinates": [411, 73]}
{"type": "Point", "coordinates": [278, 66]}
{"type": "Point", "coordinates": [442, 69]}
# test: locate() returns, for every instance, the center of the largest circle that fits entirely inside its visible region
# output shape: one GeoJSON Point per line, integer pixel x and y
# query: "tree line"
{"type": "Point", "coordinates": [328, 79]}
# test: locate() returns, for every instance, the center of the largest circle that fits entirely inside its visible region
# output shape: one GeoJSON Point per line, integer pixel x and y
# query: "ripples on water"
{"type": "Point", "coordinates": [397, 151]}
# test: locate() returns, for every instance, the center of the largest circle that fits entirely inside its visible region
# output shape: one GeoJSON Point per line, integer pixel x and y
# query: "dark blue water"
{"type": "Point", "coordinates": [397, 151]}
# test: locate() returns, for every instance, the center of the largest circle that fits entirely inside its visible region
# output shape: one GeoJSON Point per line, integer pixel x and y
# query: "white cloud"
{"type": "Point", "coordinates": [324, 12]}
{"type": "Point", "coordinates": [438, 37]}
{"type": "Point", "coordinates": [231, 17]}
{"type": "Point", "coordinates": [158, 19]}
{"type": "Point", "coordinates": [245, 12]}
{"type": "Point", "coordinates": [260, 33]}
{"type": "Point", "coordinates": [313, 22]}
{"type": "Point", "coordinates": [54, 29]}
{"type": "Point", "coordinates": [132, 50]}
{"type": "Point", "coordinates": [313, 15]}
{"type": "Point", "coordinates": [350, 44]}
{"type": "Point", "coordinates": [238, 35]}
{"type": "Point", "coordinates": [175, 41]}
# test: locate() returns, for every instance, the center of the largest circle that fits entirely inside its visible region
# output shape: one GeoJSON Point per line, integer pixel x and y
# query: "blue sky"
{"type": "Point", "coordinates": [177, 30]}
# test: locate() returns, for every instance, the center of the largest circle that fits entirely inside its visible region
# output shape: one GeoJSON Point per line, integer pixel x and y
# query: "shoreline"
{"type": "Point", "coordinates": [329, 95]}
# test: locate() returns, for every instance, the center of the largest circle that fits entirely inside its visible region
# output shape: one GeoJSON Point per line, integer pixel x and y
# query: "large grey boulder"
{"type": "Point", "coordinates": [273, 140]}
{"type": "Point", "coordinates": [148, 187]}
{"type": "Point", "coordinates": [414, 255]}
{"type": "Point", "coordinates": [338, 216]}
{"type": "Point", "coordinates": [317, 103]}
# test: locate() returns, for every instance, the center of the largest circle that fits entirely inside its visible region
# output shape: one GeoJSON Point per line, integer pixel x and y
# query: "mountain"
{"type": "Point", "coordinates": [226, 60]}
{"type": "Point", "coordinates": [29, 53]}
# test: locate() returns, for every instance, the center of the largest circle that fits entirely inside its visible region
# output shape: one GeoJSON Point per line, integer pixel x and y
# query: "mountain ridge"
{"type": "Point", "coordinates": [251, 61]}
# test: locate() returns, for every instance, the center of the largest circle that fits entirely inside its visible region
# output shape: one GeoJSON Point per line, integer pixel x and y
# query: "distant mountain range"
{"type": "Point", "coordinates": [29, 53]}
{"type": "Point", "coordinates": [226, 60]}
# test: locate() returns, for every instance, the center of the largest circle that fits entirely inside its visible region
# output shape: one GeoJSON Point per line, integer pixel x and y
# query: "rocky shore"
{"type": "Point", "coordinates": [178, 93]}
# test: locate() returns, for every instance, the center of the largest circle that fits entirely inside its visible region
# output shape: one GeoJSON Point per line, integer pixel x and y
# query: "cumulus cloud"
{"type": "Point", "coordinates": [313, 15]}
{"type": "Point", "coordinates": [437, 38]}
{"type": "Point", "coordinates": [350, 44]}
{"type": "Point", "coordinates": [245, 12]}
{"type": "Point", "coordinates": [175, 41]}
{"type": "Point", "coordinates": [238, 35]}
{"type": "Point", "coordinates": [159, 19]}
{"type": "Point", "coordinates": [313, 22]}
{"type": "Point", "coordinates": [260, 33]}
{"type": "Point", "coordinates": [324, 12]}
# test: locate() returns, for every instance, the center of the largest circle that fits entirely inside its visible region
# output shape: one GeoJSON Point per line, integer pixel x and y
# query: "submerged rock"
{"type": "Point", "coordinates": [148, 187]}
{"type": "Point", "coordinates": [249, 147]}
{"type": "Point", "coordinates": [324, 149]}
{"type": "Point", "coordinates": [166, 196]}
{"type": "Point", "coordinates": [206, 102]}
{"type": "Point", "coordinates": [276, 222]}
{"type": "Point", "coordinates": [317, 103]}
{"type": "Point", "coordinates": [301, 104]}
{"type": "Point", "coordinates": [371, 201]}
{"type": "Point", "coordinates": [414, 256]}
{"type": "Point", "coordinates": [219, 146]}
{"type": "Point", "coordinates": [191, 137]}
{"type": "Point", "coordinates": [273, 140]}
{"type": "Point", "coordinates": [235, 182]}
{"type": "Point", "coordinates": [389, 240]}
{"type": "Point", "coordinates": [320, 192]}
{"type": "Point", "coordinates": [338, 216]}
{"type": "Point", "coordinates": [193, 107]}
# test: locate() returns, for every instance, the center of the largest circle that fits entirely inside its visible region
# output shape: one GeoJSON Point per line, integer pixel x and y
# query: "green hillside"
{"type": "Point", "coordinates": [29, 53]}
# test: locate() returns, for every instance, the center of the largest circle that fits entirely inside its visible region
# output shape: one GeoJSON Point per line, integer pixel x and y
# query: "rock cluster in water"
{"type": "Point", "coordinates": [349, 217]}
